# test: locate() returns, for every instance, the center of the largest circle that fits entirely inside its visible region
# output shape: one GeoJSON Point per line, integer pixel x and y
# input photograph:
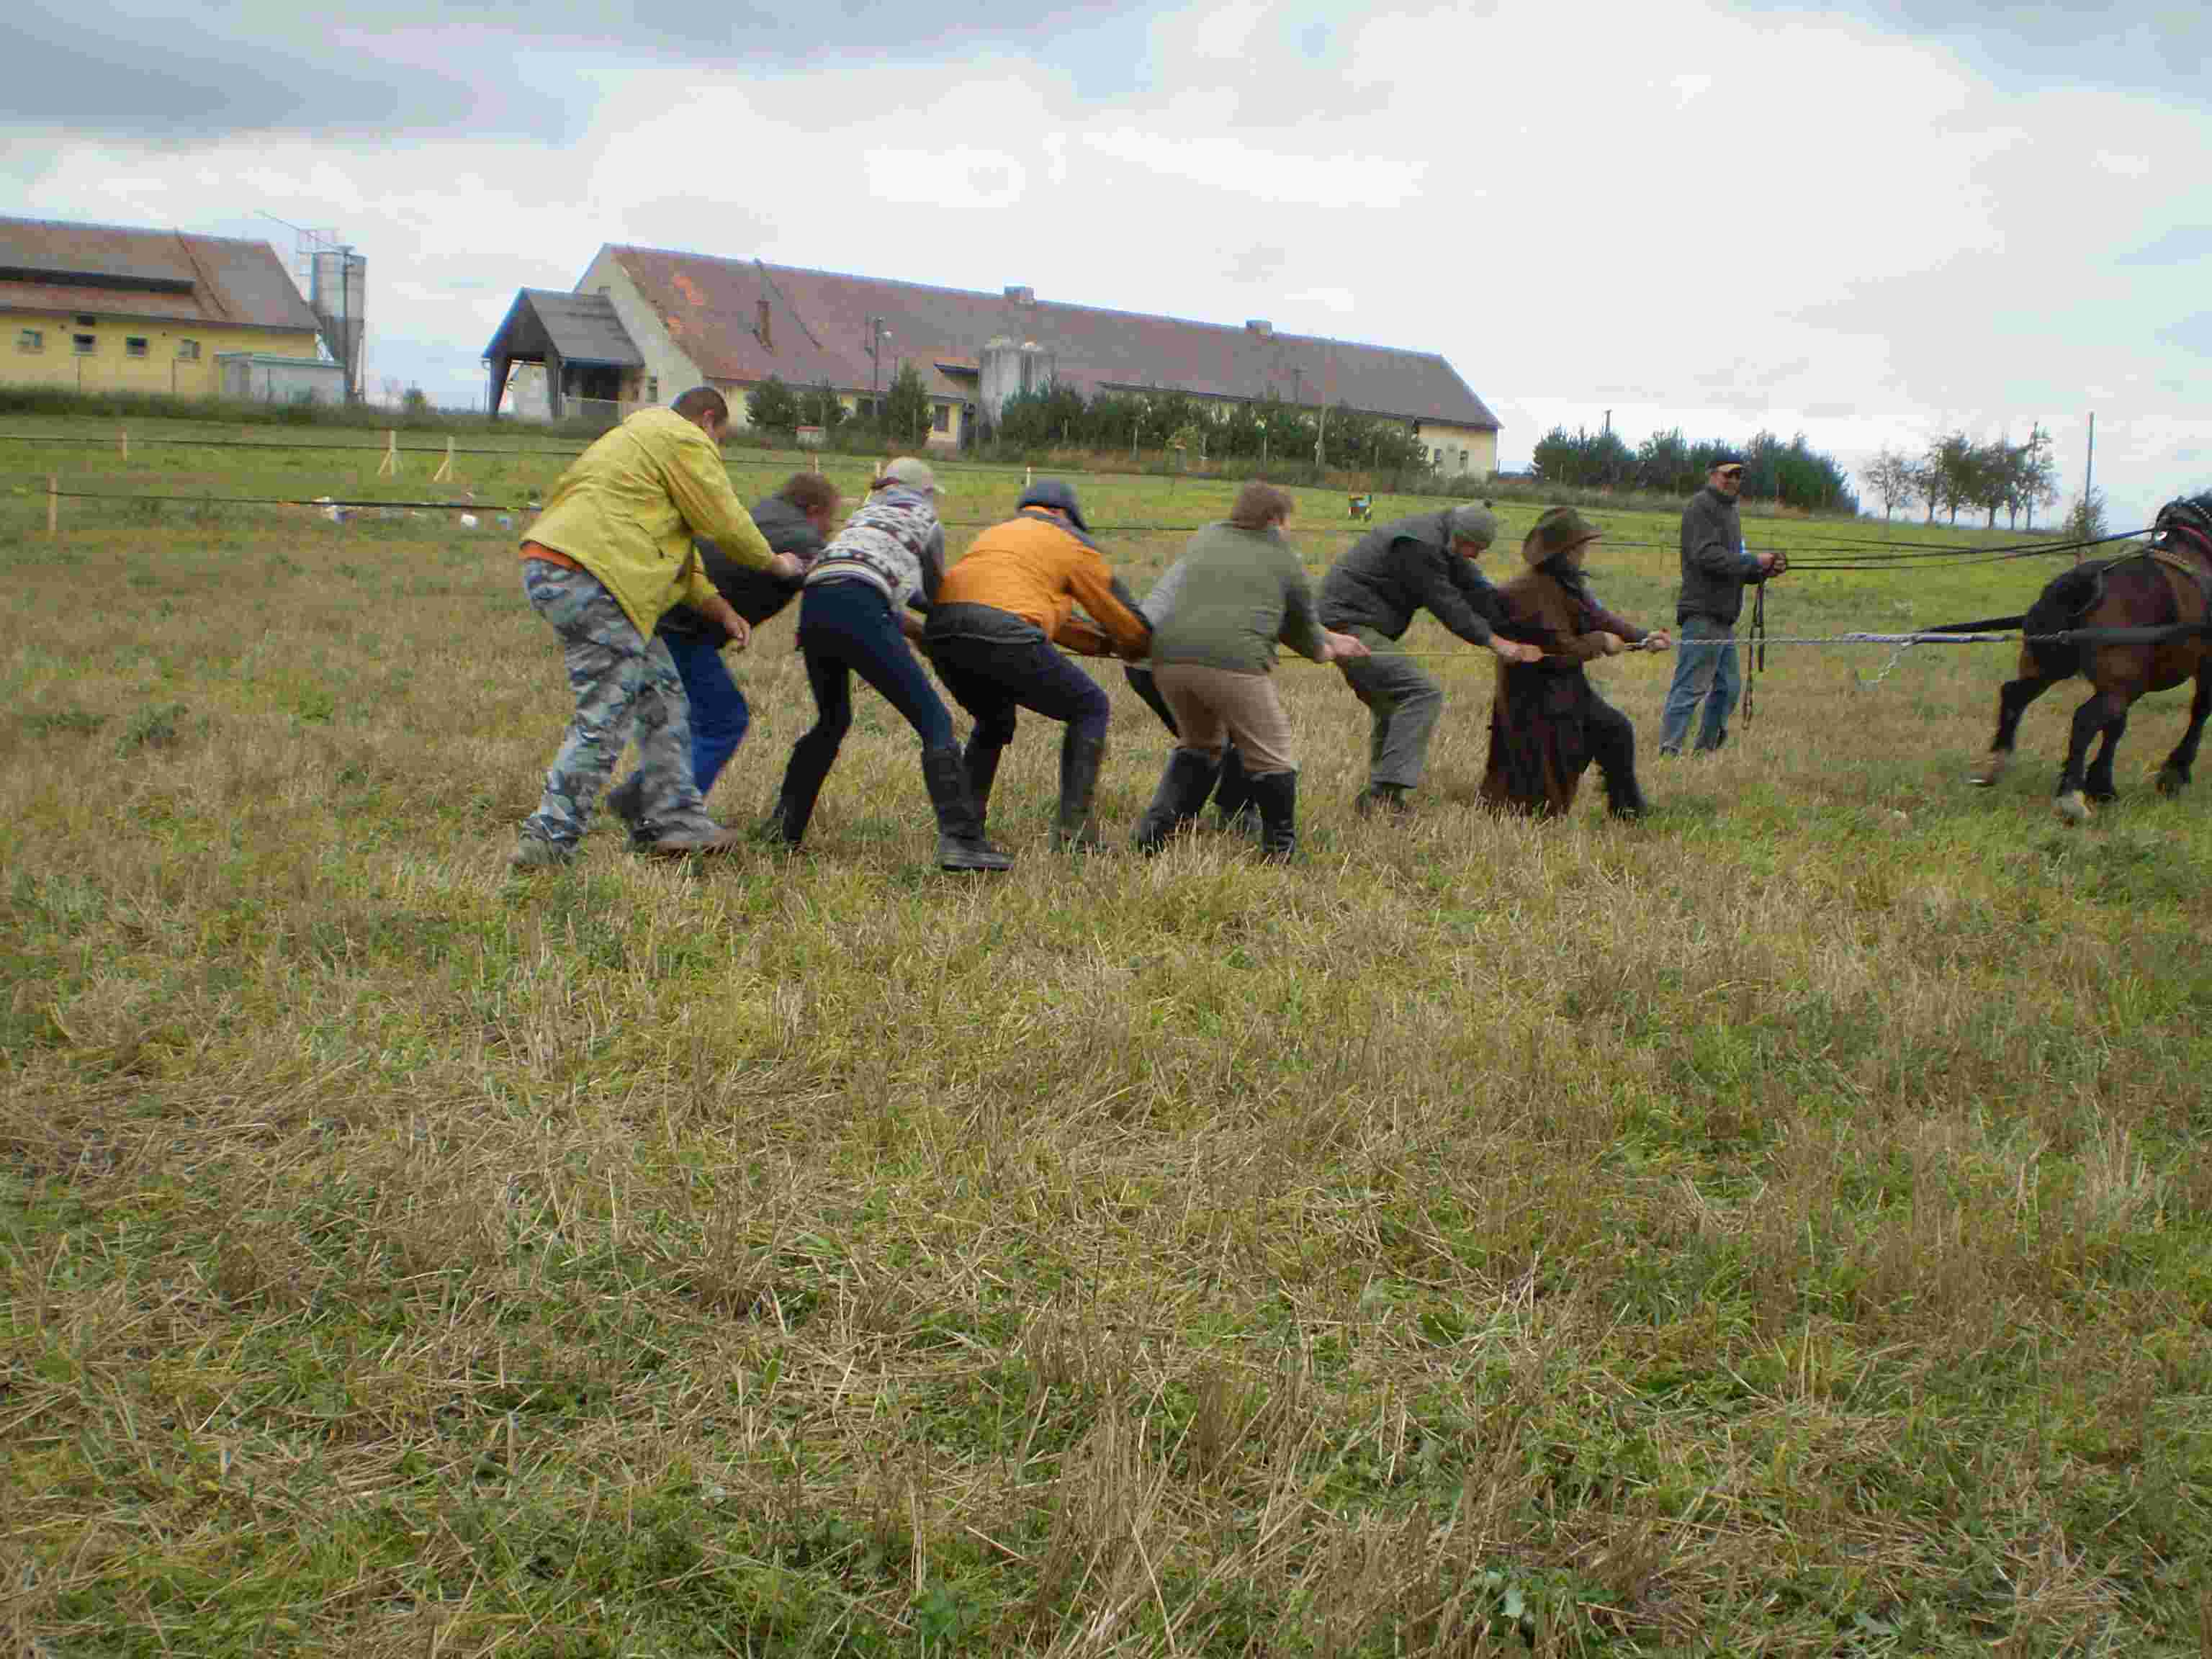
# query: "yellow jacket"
{"type": "Point", "coordinates": [1037, 569]}
{"type": "Point", "coordinates": [627, 508]}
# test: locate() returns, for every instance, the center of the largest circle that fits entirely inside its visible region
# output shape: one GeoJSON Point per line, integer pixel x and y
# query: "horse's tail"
{"type": "Point", "coordinates": [2057, 608]}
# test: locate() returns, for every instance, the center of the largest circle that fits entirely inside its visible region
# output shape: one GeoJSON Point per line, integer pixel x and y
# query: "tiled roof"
{"type": "Point", "coordinates": [818, 330]}
{"type": "Point", "coordinates": [115, 270]}
{"type": "Point", "coordinates": [582, 327]}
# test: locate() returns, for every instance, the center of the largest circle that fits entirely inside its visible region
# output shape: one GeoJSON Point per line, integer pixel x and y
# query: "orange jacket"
{"type": "Point", "coordinates": [1035, 568]}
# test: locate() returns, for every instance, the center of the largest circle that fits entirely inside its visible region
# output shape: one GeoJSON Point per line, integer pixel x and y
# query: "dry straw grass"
{"type": "Point", "coordinates": [1776, 1228]}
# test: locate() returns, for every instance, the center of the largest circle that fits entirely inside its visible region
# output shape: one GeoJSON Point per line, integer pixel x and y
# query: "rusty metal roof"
{"type": "Point", "coordinates": [818, 327]}
{"type": "Point", "coordinates": [117, 271]}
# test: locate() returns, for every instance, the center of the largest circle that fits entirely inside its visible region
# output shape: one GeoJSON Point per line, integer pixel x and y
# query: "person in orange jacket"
{"type": "Point", "coordinates": [992, 634]}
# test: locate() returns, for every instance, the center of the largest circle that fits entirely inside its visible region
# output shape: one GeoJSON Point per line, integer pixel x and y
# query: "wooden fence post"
{"type": "Point", "coordinates": [53, 508]}
{"type": "Point", "coordinates": [123, 436]}
{"type": "Point", "coordinates": [389, 467]}
{"type": "Point", "coordinates": [445, 467]}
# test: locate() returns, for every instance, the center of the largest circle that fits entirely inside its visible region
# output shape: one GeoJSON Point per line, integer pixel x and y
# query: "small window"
{"type": "Point", "coordinates": [30, 339]}
{"type": "Point", "coordinates": [1462, 460]}
{"type": "Point", "coordinates": [653, 388]}
{"type": "Point", "coordinates": [941, 418]}
{"type": "Point", "coordinates": [83, 344]}
{"type": "Point", "coordinates": [134, 345]}
{"type": "Point", "coordinates": [188, 351]}
{"type": "Point", "coordinates": [87, 322]}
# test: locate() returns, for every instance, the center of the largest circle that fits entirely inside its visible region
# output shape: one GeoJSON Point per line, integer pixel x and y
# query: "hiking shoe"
{"type": "Point", "coordinates": [533, 853]}
{"type": "Point", "coordinates": [720, 844]}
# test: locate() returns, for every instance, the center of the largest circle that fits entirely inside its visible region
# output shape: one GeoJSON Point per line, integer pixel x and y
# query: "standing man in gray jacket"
{"type": "Point", "coordinates": [1714, 568]}
{"type": "Point", "coordinates": [1372, 592]}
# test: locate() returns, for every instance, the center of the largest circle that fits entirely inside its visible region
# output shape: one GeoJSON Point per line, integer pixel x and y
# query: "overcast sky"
{"type": "Point", "coordinates": [1870, 223]}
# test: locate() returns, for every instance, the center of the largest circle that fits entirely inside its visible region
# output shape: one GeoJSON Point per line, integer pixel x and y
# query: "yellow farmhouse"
{"type": "Point", "coordinates": [106, 308]}
{"type": "Point", "coordinates": [644, 323]}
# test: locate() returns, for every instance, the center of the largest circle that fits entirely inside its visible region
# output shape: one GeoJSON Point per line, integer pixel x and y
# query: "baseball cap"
{"type": "Point", "coordinates": [906, 469]}
{"type": "Point", "coordinates": [1474, 524]}
{"type": "Point", "coordinates": [1055, 493]}
{"type": "Point", "coordinates": [1727, 458]}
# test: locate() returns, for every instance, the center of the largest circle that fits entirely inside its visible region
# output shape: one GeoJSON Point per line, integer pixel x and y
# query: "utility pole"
{"type": "Point", "coordinates": [876, 335]}
{"type": "Point", "coordinates": [2089, 470]}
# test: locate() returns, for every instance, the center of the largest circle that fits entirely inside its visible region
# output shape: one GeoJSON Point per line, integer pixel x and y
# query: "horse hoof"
{"type": "Point", "coordinates": [2071, 808]}
{"type": "Point", "coordinates": [2171, 780]}
{"type": "Point", "coordinates": [1991, 768]}
{"type": "Point", "coordinates": [2102, 797]}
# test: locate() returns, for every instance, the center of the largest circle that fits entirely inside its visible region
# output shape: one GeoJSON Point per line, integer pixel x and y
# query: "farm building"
{"type": "Point", "coordinates": [644, 323]}
{"type": "Point", "coordinates": [107, 308]}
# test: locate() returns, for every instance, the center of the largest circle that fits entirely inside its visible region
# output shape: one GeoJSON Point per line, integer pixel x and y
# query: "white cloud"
{"type": "Point", "coordinates": [1720, 219]}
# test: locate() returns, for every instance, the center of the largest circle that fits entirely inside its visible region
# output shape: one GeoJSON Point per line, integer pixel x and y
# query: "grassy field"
{"type": "Point", "coordinates": [1779, 1227]}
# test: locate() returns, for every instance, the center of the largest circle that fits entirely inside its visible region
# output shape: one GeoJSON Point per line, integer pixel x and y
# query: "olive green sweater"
{"type": "Point", "coordinates": [1230, 598]}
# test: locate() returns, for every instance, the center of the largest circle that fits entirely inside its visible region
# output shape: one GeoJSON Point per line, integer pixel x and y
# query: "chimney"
{"type": "Point", "coordinates": [1023, 295]}
{"type": "Point", "coordinates": [1261, 326]}
{"type": "Point", "coordinates": [761, 326]}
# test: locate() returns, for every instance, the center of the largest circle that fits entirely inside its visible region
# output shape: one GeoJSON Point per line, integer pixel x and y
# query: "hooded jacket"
{"type": "Point", "coordinates": [756, 595]}
{"type": "Point", "coordinates": [627, 508]}
{"type": "Point", "coordinates": [1396, 570]}
{"type": "Point", "coordinates": [1714, 566]}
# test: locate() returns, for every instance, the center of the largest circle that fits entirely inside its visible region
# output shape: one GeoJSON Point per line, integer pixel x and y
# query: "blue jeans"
{"type": "Point", "coordinates": [719, 715]}
{"type": "Point", "coordinates": [845, 628]}
{"type": "Point", "coordinates": [1705, 672]}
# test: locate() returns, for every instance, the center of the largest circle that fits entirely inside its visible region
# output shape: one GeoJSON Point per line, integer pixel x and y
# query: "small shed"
{"type": "Point", "coordinates": [586, 353]}
{"type": "Point", "coordinates": [263, 377]}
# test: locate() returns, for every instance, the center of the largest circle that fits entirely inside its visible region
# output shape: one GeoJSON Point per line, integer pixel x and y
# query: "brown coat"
{"type": "Point", "coordinates": [1543, 719]}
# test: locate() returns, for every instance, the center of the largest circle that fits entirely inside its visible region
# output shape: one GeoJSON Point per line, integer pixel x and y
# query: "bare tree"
{"type": "Point", "coordinates": [1893, 477]}
{"type": "Point", "coordinates": [2035, 477]}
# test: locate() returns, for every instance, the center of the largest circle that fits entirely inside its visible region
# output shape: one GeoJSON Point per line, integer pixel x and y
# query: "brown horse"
{"type": "Point", "coordinates": [2148, 620]}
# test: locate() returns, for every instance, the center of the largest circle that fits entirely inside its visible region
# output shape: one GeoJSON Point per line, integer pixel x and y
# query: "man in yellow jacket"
{"type": "Point", "coordinates": [609, 557]}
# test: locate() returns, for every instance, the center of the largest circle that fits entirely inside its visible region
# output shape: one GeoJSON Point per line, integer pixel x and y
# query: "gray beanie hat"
{"type": "Point", "coordinates": [1057, 493]}
{"type": "Point", "coordinates": [1474, 524]}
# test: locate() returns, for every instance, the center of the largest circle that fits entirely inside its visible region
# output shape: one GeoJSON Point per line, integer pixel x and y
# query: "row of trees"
{"type": "Point", "coordinates": [1058, 417]}
{"type": "Point", "coordinates": [1667, 464]}
{"type": "Point", "coordinates": [1266, 430]}
{"type": "Point", "coordinates": [1954, 471]}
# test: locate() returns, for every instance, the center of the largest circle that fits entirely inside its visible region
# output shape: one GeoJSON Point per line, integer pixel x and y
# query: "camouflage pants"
{"type": "Point", "coordinates": [622, 680]}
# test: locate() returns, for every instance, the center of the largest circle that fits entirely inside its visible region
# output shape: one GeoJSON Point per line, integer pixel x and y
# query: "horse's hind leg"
{"type": "Point", "coordinates": [2093, 717]}
{"type": "Point", "coordinates": [2012, 703]}
{"type": "Point", "coordinates": [2098, 786]}
{"type": "Point", "coordinates": [2174, 775]}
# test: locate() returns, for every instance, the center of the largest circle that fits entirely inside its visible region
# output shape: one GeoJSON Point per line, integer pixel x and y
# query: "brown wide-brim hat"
{"type": "Point", "coordinates": [1561, 530]}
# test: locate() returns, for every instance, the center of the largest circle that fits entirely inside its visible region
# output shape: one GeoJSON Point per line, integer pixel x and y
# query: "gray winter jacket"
{"type": "Point", "coordinates": [1398, 569]}
{"type": "Point", "coordinates": [1714, 566]}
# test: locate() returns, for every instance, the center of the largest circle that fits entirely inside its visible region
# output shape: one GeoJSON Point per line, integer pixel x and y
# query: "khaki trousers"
{"type": "Point", "coordinates": [1213, 706]}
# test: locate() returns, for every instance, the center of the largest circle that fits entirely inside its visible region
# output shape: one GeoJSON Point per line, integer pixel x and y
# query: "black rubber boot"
{"type": "Point", "coordinates": [1232, 796]}
{"type": "Point", "coordinates": [1276, 795]}
{"type": "Point", "coordinates": [960, 843]}
{"type": "Point", "coordinates": [981, 764]}
{"type": "Point", "coordinates": [786, 821]}
{"type": "Point", "coordinates": [1080, 757]}
{"type": "Point", "coordinates": [1623, 797]}
{"type": "Point", "coordinates": [1184, 785]}
{"type": "Point", "coordinates": [626, 801]}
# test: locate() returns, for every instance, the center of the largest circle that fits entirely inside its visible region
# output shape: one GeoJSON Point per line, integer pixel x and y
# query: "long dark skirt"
{"type": "Point", "coordinates": [1541, 736]}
